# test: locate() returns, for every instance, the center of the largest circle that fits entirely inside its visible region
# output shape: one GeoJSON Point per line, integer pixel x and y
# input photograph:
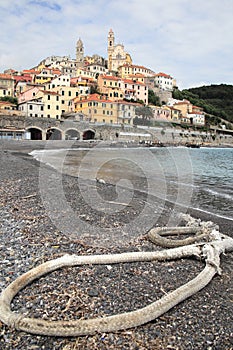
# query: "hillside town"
{"type": "Point", "coordinates": [112, 91]}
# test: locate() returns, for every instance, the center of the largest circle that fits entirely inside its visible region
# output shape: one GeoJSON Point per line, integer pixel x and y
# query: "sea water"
{"type": "Point", "coordinates": [195, 178]}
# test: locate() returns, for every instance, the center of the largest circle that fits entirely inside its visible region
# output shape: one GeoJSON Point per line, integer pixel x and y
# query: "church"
{"type": "Point", "coordinates": [116, 54]}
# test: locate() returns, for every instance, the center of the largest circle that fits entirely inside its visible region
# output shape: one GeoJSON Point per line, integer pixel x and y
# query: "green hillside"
{"type": "Point", "coordinates": [216, 100]}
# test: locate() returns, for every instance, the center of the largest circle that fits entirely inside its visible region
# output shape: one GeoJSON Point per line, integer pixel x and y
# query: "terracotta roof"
{"type": "Point", "coordinates": [93, 97]}
{"type": "Point", "coordinates": [7, 103]}
{"type": "Point", "coordinates": [163, 75]}
{"type": "Point", "coordinates": [109, 77]}
{"type": "Point", "coordinates": [25, 78]}
{"type": "Point", "coordinates": [200, 113]}
{"type": "Point", "coordinates": [128, 81]}
{"type": "Point", "coordinates": [31, 71]}
{"type": "Point", "coordinates": [49, 92]}
{"type": "Point", "coordinates": [6, 76]}
{"type": "Point", "coordinates": [137, 75]}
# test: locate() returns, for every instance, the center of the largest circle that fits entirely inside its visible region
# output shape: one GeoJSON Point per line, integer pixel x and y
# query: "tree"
{"type": "Point", "coordinates": [145, 112]}
{"type": "Point", "coordinates": [10, 99]}
{"type": "Point", "coordinates": [153, 98]}
{"type": "Point", "coordinates": [94, 89]}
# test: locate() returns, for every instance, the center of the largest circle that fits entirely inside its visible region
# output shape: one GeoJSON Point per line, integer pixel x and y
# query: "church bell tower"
{"type": "Point", "coordinates": [111, 43]}
{"type": "Point", "coordinates": [79, 53]}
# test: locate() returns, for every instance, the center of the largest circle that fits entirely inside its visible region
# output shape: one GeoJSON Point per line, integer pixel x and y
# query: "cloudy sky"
{"type": "Point", "coordinates": [190, 40]}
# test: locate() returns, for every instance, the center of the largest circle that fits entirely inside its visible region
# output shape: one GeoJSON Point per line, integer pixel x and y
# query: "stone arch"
{"type": "Point", "coordinates": [88, 134]}
{"type": "Point", "coordinates": [72, 134]}
{"type": "Point", "coordinates": [53, 134]}
{"type": "Point", "coordinates": [36, 133]}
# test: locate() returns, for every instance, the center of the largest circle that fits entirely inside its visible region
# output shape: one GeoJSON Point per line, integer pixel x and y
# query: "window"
{"type": "Point", "coordinates": [48, 106]}
{"type": "Point", "coordinates": [57, 108]}
{"type": "Point", "coordinates": [63, 92]}
{"type": "Point", "coordinates": [48, 97]}
{"type": "Point", "coordinates": [103, 120]}
{"type": "Point", "coordinates": [57, 98]}
{"type": "Point", "coordinates": [69, 93]}
{"type": "Point", "coordinates": [62, 102]}
{"type": "Point", "coordinates": [30, 107]}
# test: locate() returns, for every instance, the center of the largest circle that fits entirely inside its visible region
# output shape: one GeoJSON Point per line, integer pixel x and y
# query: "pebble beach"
{"type": "Point", "coordinates": [28, 237]}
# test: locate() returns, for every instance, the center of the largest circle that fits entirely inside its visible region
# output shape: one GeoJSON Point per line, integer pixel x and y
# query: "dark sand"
{"type": "Point", "coordinates": [29, 237]}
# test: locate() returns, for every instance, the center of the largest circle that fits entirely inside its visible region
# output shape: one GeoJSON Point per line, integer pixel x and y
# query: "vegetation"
{"type": "Point", "coordinates": [216, 100]}
{"type": "Point", "coordinates": [10, 99]}
{"type": "Point", "coordinates": [153, 98]}
{"type": "Point", "coordinates": [145, 112]}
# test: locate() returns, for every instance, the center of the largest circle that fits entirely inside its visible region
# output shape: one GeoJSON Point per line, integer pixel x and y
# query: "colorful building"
{"type": "Point", "coordinates": [127, 70]}
{"type": "Point", "coordinates": [134, 90]}
{"type": "Point", "coordinates": [110, 86]}
{"type": "Point", "coordinates": [97, 108]}
{"type": "Point", "coordinates": [6, 85]}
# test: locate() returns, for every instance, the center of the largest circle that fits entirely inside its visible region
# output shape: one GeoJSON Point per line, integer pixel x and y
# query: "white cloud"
{"type": "Point", "coordinates": [192, 41]}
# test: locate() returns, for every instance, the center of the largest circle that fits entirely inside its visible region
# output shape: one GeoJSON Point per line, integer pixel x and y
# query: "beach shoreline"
{"type": "Point", "coordinates": [29, 237]}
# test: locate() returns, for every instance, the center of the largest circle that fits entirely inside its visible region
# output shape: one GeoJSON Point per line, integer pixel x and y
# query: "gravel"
{"type": "Point", "coordinates": [29, 238]}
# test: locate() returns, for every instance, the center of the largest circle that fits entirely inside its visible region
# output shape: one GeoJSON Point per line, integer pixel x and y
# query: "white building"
{"type": "Point", "coordinates": [32, 108]}
{"type": "Point", "coordinates": [197, 118]}
{"type": "Point", "coordinates": [164, 81]}
{"type": "Point", "coordinates": [61, 80]}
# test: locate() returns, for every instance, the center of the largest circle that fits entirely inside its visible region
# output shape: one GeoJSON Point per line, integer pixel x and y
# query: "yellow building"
{"type": "Point", "coordinates": [97, 108]}
{"type": "Point", "coordinates": [126, 70]}
{"type": "Point", "coordinates": [51, 103]}
{"type": "Point", "coordinates": [110, 86]}
{"type": "Point", "coordinates": [66, 94]}
{"type": "Point", "coordinates": [6, 85]}
{"type": "Point", "coordinates": [46, 75]}
{"type": "Point", "coordinates": [184, 107]}
{"type": "Point", "coordinates": [175, 114]}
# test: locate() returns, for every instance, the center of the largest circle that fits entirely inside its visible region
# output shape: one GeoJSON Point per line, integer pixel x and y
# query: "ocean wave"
{"type": "Point", "coordinates": [219, 194]}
